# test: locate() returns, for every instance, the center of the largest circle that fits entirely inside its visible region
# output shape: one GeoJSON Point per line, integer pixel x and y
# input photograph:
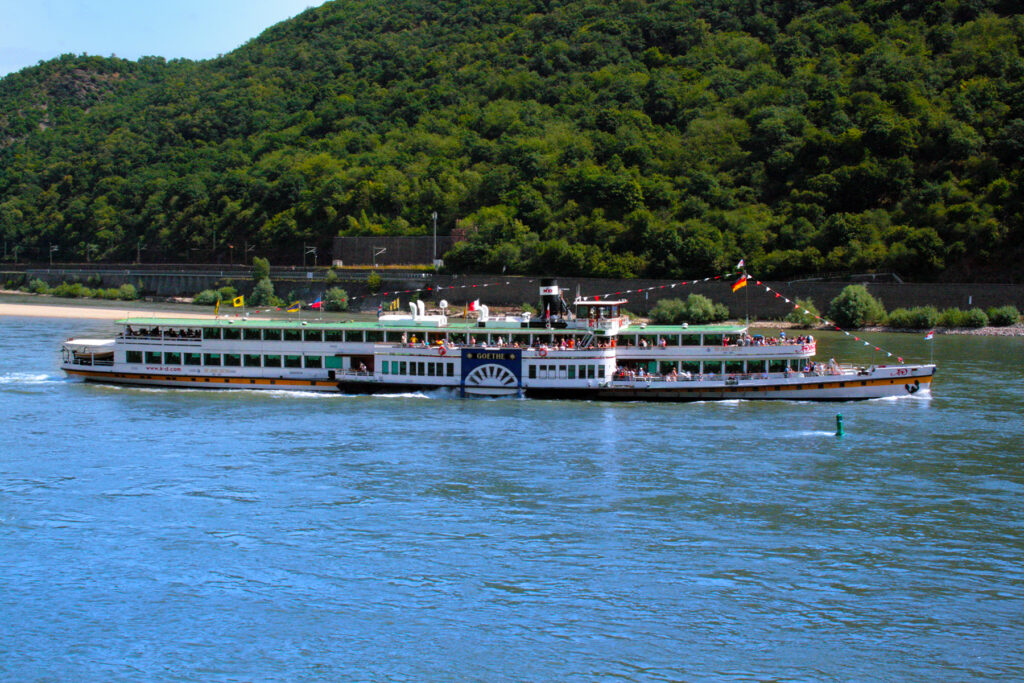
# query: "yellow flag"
{"type": "Point", "coordinates": [238, 301]}
{"type": "Point", "coordinates": [294, 308]}
{"type": "Point", "coordinates": [216, 308]}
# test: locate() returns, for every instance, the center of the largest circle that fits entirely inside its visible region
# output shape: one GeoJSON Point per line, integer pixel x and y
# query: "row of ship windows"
{"type": "Point", "coordinates": [542, 371]}
{"type": "Point", "coordinates": [249, 360]}
{"type": "Point", "coordinates": [726, 367]}
{"type": "Point", "coordinates": [418, 368]}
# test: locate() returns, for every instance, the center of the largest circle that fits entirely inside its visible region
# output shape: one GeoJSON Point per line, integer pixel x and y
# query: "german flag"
{"type": "Point", "coordinates": [740, 284]}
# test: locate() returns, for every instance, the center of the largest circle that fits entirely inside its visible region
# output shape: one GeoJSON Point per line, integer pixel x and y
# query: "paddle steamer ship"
{"type": "Point", "coordinates": [588, 350]}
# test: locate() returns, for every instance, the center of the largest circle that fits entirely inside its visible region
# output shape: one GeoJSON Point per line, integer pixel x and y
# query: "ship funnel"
{"type": "Point", "coordinates": [412, 307]}
{"type": "Point", "coordinates": [422, 306]}
{"type": "Point", "coordinates": [550, 299]}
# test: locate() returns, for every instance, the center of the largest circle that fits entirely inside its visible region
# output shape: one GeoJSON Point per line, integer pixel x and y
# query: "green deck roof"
{"type": "Point", "coordinates": [411, 324]}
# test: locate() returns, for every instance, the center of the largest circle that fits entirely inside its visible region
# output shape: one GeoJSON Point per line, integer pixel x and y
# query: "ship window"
{"type": "Point", "coordinates": [334, 336]}
{"type": "Point", "coordinates": [272, 361]}
{"type": "Point", "coordinates": [571, 372]}
{"type": "Point", "coordinates": [777, 366]}
{"type": "Point", "coordinates": [312, 335]}
{"type": "Point", "coordinates": [354, 336]}
{"type": "Point", "coordinates": [314, 361]}
{"type": "Point", "coordinates": [232, 333]}
{"type": "Point", "coordinates": [252, 360]}
{"type": "Point", "coordinates": [172, 358]}
{"type": "Point", "coordinates": [600, 372]}
{"type": "Point", "coordinates": [401, 367]}
{"type": "Point", "coordinates": [154, 357]}
{"type": "Point", "coordinates": [133, 356]}
{"type": "Point", "coordinates": [451, 369]}
{"type": "Point", "coordinates": [734, 367]}
{"type": "Point", "coordinates": [292, 335]}
{"type": "Point", "coordinates": [666, 367]}
{"type": "Point", "coordinates": [211, 359]}
{"type": "Point", "coordinates": [561, 372]}
{"type": "Point", "coordinates": [193, 359]}
{"type": "Point", "coordinates": [384, 365]}
{"type": "Point", "coordinates": [691, 366]}
{"type": "Point", "coordinates": [671, 339]}
{"type": "Point", "coordinates": [691, 340]}
{"type": "Point", "coordinates": [211, 333]}
{"type": "Point", "coordinates": [232, 359]}
{"type": "Point", "coordinates": [271, 335]}
{"type": "Point", "coordinates": [293, 361]}
{"type": "Point", "coordinates": [421, 371]}
{"type": "Point", "coordinates": [374, 336]}
{"type": "Point", "coordinates": [430, 370]}
{"type": "Point", "coordinates": [250, 333]}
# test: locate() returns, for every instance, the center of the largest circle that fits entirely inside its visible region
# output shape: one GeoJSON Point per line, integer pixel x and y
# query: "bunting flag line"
{"type": "Point", "coordinates": [824, 321]}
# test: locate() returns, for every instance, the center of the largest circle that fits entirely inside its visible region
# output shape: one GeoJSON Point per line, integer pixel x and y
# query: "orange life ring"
{"type": "Point", "coordinates": [441, 350]}
{"type": "Point", "coordinates": [543, 353]}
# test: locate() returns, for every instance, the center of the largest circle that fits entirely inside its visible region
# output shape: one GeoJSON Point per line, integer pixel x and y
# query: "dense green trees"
{"type": "Point", "coordinates": [659, 138]}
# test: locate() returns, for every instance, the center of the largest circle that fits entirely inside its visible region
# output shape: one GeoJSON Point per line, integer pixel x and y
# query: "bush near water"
{"type": "Point", "coordinates": [76, 290]}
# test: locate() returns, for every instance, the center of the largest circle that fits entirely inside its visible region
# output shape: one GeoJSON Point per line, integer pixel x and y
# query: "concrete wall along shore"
{"type": "Point", "coordinates": [515, 290]}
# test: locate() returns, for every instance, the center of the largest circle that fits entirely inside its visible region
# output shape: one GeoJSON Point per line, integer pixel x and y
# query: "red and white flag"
{"type": "Point", "coordinates": [930, 335]}
{"type": "Point", "coordinates": [474, 305]}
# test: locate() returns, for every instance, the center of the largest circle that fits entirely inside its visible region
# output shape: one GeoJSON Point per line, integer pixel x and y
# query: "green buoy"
{"type": "Point", "coordinates": [839, 424]}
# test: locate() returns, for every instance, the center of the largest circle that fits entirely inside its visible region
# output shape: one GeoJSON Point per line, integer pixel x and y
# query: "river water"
{"type": "Point", "coordinates": [223, 536]}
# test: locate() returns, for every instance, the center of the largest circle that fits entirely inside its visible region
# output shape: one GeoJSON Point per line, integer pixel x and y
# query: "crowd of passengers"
{"type": "Point", "coordinates": [628, 373]}
{"type": "Point", "coordinates": [565, 343]}
{"type": "Point", "coordinates": [168, 333]}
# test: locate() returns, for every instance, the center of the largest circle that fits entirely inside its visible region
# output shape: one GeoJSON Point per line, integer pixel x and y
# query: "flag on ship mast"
{"type": "Point", "coordinates": [294, 308]}
{"type": "Point", "coordinates": [474, 305]}
{"type": "Point", "coordinates": [930, 335]}
{"type": "Point", "coordinates": [740, 284]}
{"type": "Point", "coordinates": [216, 308]}
{"type": "Point", "coordinates": [740, 264]}
{"type": "Point", "coordinates": [238, 301]}
{"type": "Point", "coordinates": [318, 304]}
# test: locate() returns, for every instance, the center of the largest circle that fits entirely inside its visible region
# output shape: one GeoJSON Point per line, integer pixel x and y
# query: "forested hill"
{"type": "Point", "coordinates": [576, 137]}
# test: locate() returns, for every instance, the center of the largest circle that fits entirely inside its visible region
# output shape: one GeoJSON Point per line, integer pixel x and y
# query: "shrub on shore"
{"type": "Point", "coordinates": [207, 297]}
{"type": "Point", "coordinates": [918, 318]}
{"type": "Point", "coordinates": [696, 310]}
{"type": "Point", "coordinates": [336, 299]}
{"type": "Point", "coordinates": [1003, 316]}
{"type": "Point", "coordinates": [855, 307]}
{"type": "Point", "coordinates": [805, 316]}
{"type": "Point", "coordinates": [955, 317]}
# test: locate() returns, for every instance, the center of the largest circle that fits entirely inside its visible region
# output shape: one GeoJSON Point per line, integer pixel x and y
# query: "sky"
{"type": "Point", "coordinates": [34, 30]}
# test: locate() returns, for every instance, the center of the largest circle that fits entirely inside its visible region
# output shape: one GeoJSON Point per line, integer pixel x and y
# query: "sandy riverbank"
{"type": "Point", "coordinates": [86, 312]}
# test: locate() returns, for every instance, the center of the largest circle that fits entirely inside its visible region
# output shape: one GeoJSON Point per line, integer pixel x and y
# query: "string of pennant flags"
{"type": "Point", "coordinates": [824, 321]}
{"type": "Point", "coordinates": [743, 280]}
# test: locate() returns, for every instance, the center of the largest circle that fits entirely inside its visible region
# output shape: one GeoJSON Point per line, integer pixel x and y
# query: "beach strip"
{"type": "Point", "coordinates": [86, 312]}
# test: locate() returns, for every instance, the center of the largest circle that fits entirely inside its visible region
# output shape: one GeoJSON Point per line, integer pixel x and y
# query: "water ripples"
{"type": "Point", "coordinates": [169, 533]}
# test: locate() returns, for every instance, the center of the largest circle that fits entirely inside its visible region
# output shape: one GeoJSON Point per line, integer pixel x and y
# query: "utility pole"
{"type": "Point", "coordinates": [434, 216]}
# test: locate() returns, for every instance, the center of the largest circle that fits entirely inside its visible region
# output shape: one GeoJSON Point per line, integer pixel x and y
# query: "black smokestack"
{"type": "Point", "coordinates": [550, 299]}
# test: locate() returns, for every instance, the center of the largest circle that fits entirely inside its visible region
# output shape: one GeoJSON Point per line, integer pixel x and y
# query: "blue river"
{"type": "Point", "coordinates": [160, 534]}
